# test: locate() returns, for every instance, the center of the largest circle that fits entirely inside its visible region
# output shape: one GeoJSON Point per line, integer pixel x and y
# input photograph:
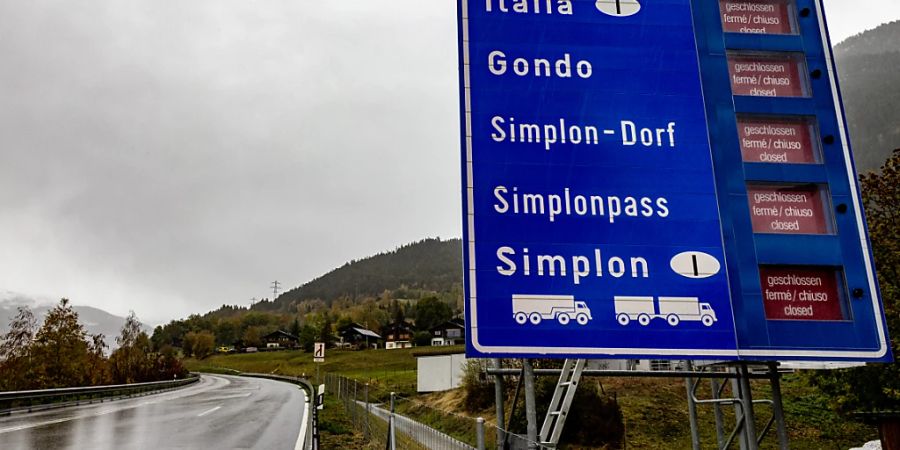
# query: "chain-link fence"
{"type": "Point", "coordinates": [416, 425]}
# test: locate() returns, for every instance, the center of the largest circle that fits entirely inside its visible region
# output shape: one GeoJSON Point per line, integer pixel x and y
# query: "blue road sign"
{"type": "Point", "coordinates": [602, 221]}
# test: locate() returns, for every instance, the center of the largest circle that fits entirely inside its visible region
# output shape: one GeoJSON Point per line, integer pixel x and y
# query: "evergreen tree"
{"type": "Point", "coordinates": [295, 327]}
{"type": "Point", "coordinates": [61, 350]}
{"type": "Point", "coordinates": [307, 337]}
{"type": "Point", "coordinates": [326, 333]}
{"type": "Point", "coordinates": [397, 312]}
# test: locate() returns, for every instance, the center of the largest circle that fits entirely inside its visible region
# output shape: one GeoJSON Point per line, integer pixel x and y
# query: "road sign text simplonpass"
{"type": "Point", "coordinates": [667, 179]}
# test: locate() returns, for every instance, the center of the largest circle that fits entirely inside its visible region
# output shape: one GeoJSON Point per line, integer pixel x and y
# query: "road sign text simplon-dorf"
{"type": "Point", "coordinates": [666, 179]}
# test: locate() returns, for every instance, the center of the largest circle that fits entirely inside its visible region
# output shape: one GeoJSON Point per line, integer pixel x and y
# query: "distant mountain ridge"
{"type": "Point", "coordinates": [430, 264]}
{"type": "Point", "coordinates": [95, 320]}
{"type": "Point", "coordinates": [870, 85]}
{"type": "Point", "coordinates": [883, 39]}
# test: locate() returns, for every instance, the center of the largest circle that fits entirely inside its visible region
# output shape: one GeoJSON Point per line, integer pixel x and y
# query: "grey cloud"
{"type": "Point", "coordinates": [183, 154]}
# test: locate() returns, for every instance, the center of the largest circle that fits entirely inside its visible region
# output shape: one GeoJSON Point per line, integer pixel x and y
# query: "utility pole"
{"type": "Point", "coordinates": [275, 289]}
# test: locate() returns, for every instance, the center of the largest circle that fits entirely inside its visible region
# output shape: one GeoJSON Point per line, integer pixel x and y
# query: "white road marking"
{"type": "Point", "coordinates": [25, 427]}
{"type": "Point", "coordinates": [209, 411]}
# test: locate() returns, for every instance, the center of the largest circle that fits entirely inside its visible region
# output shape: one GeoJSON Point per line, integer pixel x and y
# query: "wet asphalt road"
{"type": "Point", "coordinates": [218, 412]}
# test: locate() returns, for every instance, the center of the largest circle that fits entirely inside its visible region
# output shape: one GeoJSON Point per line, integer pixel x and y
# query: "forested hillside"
{"type": "Point", "coordinates": [427, 265]}
{"type": "Point", "coordinates": [421, 282]}
{"type": "Point", "coordinates": [870, 83]}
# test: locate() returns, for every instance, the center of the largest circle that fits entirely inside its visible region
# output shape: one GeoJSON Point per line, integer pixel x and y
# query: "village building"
{"type": "Point", "coordinates": [357, 336]}
{"type": "Point", "coordinates": [280, 339]}
{"type": "Point", "coordinates": [451, 332]}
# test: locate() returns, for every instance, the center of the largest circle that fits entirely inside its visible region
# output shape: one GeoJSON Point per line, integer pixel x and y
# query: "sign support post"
{"type": "Point", "coordinates": [692, 409]}
{"type": "Point", "coordinates": [498, 402]}
{"type": "Point", "coordinates": [530, 404]}
{"type": "Point", "coordinates": [778, 407]}
{"type": "Point", "coordinates": [747, 406]}
{"type": "Point", "coordinates": [716, 389]}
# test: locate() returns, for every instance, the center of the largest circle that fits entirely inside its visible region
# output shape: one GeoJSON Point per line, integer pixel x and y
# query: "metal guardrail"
{"type": "Point", "coordinates": [311, 396]}
{"type": "Point", "coordinates": [16, 401]}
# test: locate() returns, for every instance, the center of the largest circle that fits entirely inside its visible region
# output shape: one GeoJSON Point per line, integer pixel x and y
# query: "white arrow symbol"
{"type": "Point", "coordinates": [619, 8]}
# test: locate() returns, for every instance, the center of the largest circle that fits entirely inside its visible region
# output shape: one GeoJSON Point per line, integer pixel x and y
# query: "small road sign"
{"type": "Point", "coordinates": [319, 352]}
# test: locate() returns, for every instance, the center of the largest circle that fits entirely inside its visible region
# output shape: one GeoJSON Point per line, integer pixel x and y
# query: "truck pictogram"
{"type": "Point", "coordinates": [537, 308]}
{"type": "Point", "coordinates": [673, 309]}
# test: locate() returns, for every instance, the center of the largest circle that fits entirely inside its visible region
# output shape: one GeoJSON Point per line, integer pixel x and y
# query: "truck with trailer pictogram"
{"type": "Point", "coordinates": [674, 310]}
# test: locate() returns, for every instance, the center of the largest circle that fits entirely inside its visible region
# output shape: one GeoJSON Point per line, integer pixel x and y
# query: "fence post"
{"type": "Point", "coordinates": [391, 434]}
{"type": "Point", "coordinates": [355, 414]}
{"type": "Point", "coordinates": [366, 394]}
{"type": "Point", "coordinates": [479, 432]}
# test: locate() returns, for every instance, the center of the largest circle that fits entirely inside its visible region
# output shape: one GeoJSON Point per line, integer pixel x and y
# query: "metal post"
{"type": "Point", "coordinates": [778, 407]}
{"type": "Point", "coordinates": [530, 404]}
{"type": "Point", "coordinates": [515, 403]}
{"type": "Point", "coordinates": [498, 401]}
{"type": "Point", "coordinates": [366, 394]}
{"type": "Point", "coordinates": [355, 414]}
{"type": "Point", "coordinates": [737, 388]}
{"type": "Point", "coordinates": [391, 434]}
{"type": "Point", "coordinates": [479, 432]}
{"type": "Point", "coordinates": [717, 411]}
{"type": "Point", "coordinates": [692, 410]}
{"type": "Point", "coordinates": [747, 400]}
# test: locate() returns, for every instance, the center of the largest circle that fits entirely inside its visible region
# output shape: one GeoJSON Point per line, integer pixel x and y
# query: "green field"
{"type": "Point", "coordinates": [655, 410]}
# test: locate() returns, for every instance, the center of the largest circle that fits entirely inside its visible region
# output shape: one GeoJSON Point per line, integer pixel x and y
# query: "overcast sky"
{"type": "Point", "coordinates": [168, 157]}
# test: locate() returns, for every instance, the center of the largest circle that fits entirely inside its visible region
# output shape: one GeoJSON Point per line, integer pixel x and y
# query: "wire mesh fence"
{"type": "Point", "coordinates": [416, 425]}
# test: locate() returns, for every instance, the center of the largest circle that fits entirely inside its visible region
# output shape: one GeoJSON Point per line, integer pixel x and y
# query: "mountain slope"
{"type": "Point", "coordinates": [431, 264]}
{"type": "Point", "coordinates": [870, 84]}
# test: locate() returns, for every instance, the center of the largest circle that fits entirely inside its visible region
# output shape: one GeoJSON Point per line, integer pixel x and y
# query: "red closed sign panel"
{"type": "Point", "coordinates": [801, 293]}
{"type": "Point", "coordinates": [788, 209]}
{"type": "Point", "coordinates": [777, 140]}
{"type": "Point", "coordinates": [757, 16]}
{"type": "Point", "coordinates": [768, 75]}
